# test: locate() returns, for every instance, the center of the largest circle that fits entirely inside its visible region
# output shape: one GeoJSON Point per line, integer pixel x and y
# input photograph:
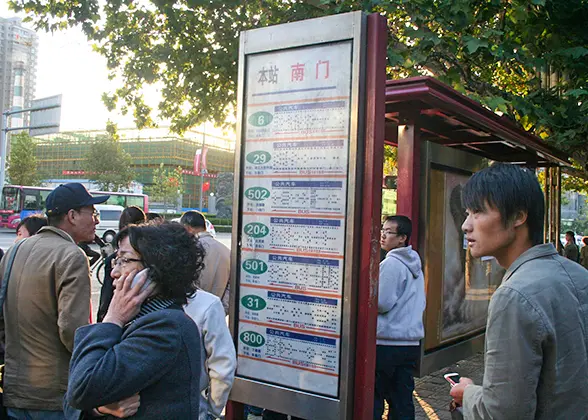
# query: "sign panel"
{"type": "Point", "coordinates": [296, 149]}
{"type": "Point", "coordinates": [45, 117]}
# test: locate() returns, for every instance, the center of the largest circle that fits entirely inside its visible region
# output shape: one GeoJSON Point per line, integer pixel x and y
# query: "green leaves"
{"type": "Point", "coordinates": [473, 44]}
{"type": "Point", "coordinates": [527, 59]}
{"type": "Point", "coordinates": [168, 185]}
{"type": "Point", "coordinates": [108, 164]}
{"type": "Point", "coordinates": [22, 163]}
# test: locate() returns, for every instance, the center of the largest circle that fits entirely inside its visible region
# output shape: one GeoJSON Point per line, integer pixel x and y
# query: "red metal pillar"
{"type": "Point", "coordinates": [367, 294]}
{"type": "Point", "coordinates": [409, 168]}
{"type": "Point", "coordinates": [235, 411]}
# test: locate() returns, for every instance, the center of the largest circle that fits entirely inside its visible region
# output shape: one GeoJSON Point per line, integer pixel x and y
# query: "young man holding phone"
{"type": "Point", "coordinates": [536, 361]}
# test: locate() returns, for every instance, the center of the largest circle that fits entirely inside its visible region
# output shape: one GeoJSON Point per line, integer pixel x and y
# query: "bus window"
{"type": "Point", "coordinates": [136, 201]}
{"type": "Point", "coordinates": [10, 199]}
{"type": "Point", "coordinates": [31, 199]}
{"type": "Point", "coordinates": [43, 198]}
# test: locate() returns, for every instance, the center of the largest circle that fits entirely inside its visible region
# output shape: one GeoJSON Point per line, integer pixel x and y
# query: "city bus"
{"type": "Point", "coordinates": [19, 201]}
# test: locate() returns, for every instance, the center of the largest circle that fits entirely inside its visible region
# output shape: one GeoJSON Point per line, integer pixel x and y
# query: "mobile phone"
{"type": "Point", "coordinates": [452, 378]}
{"type": "Point", "coordinates": [144, 273]}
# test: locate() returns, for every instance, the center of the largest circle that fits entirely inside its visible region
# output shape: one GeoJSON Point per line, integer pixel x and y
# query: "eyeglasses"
{"type": "Point", "coordinates": [95, 213]}
{"type": "Point", "coordinates": [124, 261]}
{"type": "Point", "coordinates": [387, 232]}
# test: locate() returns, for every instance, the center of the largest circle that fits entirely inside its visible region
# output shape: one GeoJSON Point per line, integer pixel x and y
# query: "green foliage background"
{"type": "Point", "coordinates": [108, 165]}
{"type": "Point", "coordinates": [22, 163]}
{"type": "Point", "coordinates": [525, 58]}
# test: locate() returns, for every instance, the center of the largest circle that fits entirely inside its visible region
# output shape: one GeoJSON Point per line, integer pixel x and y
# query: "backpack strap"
{"type": "Point", "coordinates": [7, 271]}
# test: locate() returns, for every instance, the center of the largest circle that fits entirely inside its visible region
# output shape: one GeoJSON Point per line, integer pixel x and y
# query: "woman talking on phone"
{"type": "Point", "coordinates": [146, 352]}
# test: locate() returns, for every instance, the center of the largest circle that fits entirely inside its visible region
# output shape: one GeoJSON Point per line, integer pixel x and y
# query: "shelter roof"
{"type": "Point", "coordinates": [449, 118]}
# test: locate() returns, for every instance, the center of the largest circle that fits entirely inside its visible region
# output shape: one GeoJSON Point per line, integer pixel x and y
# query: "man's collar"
{"type": "Point", "coordinates": [204, 234]}
{"type": "Point", "coordinates": [57, 231]}
{"type": "Point", "coordinates": [538, 251]}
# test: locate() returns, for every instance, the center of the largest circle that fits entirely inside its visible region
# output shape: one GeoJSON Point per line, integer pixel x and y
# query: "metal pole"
{"type": "Point", "coordinates": [201, 171]}
{"type": "Point", "coordinates": [3, 151]}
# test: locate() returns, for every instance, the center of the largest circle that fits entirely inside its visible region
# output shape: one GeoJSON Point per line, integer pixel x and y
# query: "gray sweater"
{"type": "Point", "coordinates": [536, 362]}
{"type": "Point", "coordinates": [157, 356]}
{"type": "Point", "coordinates": [401, 299]}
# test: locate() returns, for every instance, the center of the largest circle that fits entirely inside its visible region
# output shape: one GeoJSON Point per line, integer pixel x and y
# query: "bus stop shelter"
{"type": "Point", "coordinates": [443, 137]}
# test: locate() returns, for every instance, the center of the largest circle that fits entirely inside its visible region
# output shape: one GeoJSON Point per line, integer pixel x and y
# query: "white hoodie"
{"type": "Point", "coordinates": [218, 358]}
{"type": "Point", "coordinates": [401, 299]}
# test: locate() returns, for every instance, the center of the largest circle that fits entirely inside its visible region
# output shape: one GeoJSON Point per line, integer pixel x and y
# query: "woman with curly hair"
{"type": "Point", "coordinates": [143, 360]}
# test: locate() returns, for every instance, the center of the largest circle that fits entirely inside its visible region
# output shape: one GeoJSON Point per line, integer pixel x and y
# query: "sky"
{"type": "Point", "coordinates": [67, 65]}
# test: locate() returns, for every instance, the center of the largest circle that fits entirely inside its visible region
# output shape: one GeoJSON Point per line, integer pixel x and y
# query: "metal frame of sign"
{"type": "Point", "coordinates": [350, 27]}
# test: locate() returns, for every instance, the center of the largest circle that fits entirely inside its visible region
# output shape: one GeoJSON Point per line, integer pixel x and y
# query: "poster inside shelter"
{"type": "Point", "coordinates": [295, 163]}
{"type": "Point", "coordinates": [468, 282]}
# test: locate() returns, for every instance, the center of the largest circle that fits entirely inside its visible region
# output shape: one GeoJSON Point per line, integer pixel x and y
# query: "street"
{"type": "Point", "coordinates": [7, 237]}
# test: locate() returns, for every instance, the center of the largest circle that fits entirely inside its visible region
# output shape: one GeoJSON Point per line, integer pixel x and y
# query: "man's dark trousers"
{"type": "Point", "coordinates": [395, 367]}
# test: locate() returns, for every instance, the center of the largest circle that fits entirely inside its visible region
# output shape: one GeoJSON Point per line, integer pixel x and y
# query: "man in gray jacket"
{"type": "Point", "coordinates": [401, 302]}
{"type": "Point", "coordinates": [536, 361]}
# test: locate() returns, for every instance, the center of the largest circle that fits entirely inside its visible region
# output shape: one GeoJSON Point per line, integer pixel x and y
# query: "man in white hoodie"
{"type": "Point", "coordinates": [401, 303]}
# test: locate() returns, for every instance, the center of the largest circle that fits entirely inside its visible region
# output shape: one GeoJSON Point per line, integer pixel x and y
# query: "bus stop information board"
{"type": "Point", "coordinates": [296, 149]}
{"type": "Point", "coordinates": [295, 252]}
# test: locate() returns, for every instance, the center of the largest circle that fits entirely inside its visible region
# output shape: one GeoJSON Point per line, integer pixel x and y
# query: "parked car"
{"type": "Point", "coordinates": [209, 226]}
{"type": "Point", "coordinates": [109, 217]}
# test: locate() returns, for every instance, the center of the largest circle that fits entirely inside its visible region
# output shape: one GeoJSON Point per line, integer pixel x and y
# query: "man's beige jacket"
{"type": "Point", "coordinates": [48, 298]}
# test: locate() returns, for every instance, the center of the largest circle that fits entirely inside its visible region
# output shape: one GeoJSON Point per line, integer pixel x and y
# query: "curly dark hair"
{"type": "Point", "coordinates": [174, 257]}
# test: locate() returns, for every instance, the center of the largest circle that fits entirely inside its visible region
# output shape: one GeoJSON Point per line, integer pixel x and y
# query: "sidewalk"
{"type": "Point", "coordinates": [432, 391]}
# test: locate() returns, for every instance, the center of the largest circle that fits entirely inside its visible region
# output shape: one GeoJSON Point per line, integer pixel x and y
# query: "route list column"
{"type": "Point", "coordinates": [296, 145]}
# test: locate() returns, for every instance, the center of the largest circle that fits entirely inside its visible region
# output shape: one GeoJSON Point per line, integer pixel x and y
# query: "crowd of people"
{"type": "Point", "coordinates": [161, 347]}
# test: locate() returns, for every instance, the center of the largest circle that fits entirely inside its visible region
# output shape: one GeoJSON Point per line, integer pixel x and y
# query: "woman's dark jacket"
{"type": "Point", "coordinates": [157, 355]}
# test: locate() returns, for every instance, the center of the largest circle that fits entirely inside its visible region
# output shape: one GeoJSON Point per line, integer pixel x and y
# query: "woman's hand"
{"type": "Point", "coordinates": [123, 408]}
{"type": "Point", "coordinates": [126, 301]}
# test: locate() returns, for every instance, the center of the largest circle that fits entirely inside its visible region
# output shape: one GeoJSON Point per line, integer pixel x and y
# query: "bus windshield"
{"type": "Point", "coordinates": [10, 199]}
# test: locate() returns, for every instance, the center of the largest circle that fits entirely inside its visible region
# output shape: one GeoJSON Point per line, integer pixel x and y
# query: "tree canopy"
{"type": "Point", "coordinates": [525, 58]}
{"type": "Point", "coordinates": [108, 165]}
{"type": "Point", "coordinates": [22, 163]}
{"type": "Point", "coordinates": [168, 185]}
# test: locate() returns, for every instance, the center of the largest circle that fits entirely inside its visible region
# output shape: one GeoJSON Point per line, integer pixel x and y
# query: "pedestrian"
{"type": "Point", "coordinates": [29, 226]}
{"type": "Point", "coordinates": [146, 345]}
{"type": "Point", "coordinates": [571, 250]}
{"type": "Point", "coordinates": [47, 299]}
{"type": "Point", "coordinates": [131, 215]}
{"type": "Point", "coordinates": [584, 253]}
{"type": "Point", "coordinates": [536, 356]}
{"type": "Point", "coordinates": [217, 262]}
{"type": "Point", "coordinates": [218, 356]}
{"type": "Point", "coordinates": [401, 303]}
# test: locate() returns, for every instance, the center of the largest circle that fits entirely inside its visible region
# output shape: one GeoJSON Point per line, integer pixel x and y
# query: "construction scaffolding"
{"type": "Point", "coordinates": [63, 156]}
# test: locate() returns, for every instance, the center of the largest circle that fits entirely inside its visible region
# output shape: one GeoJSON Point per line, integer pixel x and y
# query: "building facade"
{"type": "Point", "coordinates": [18, 67]}
{"type": "Point", "coordinates": [63, 156]}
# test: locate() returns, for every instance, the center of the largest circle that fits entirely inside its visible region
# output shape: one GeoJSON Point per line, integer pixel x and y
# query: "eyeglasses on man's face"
{"type": "Point", "coordinates": [122, 261]}
{"type": "Point", "coordinates": [387, 232]}
{"type": "Point", "coordinates": [95, 214]}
